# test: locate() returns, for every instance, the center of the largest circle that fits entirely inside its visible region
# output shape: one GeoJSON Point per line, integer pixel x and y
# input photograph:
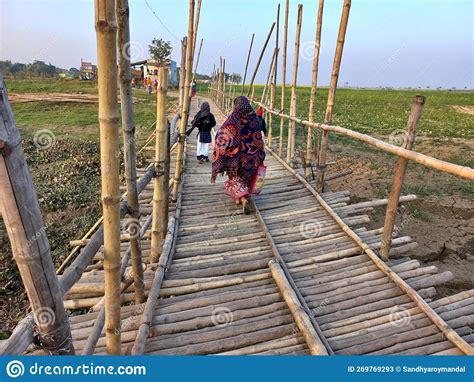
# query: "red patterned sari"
{"type": "Point", "coordinates": [239, 150]}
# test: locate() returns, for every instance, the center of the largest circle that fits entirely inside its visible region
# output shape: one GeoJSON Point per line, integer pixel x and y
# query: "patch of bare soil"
{"type": "Point", "coordinates": [67, 181]}
{"type": "Point", "coordinates": [467, 109]}
{"type": "Point", "coordinates": [441, 220]}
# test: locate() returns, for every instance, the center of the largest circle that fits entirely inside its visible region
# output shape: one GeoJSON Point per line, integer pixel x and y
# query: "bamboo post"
{"type": "Point", "coordinates": [182, 71]}
{"type": "Point", "coordinates": [223, 85]}
{"type": "Point", "coordinates": [314, 82]}
{"type": "Point", "coordinates": [269, 76]}
{"type": "Point", "coordinates": [196, 24]}
{"type": "Point", "coordinates": [186, 105]}
{"type": "Point", "coordinates": [106, 30]}
{"type": "Point", "coordinates": [275, 77]}
{"type": "Point", "coordinates": [332, 95]}
{"type": "Point", "coordinates": [21, 213]}
{"type": "Point", "coordinates": [247, 64]}
{"type": "Point", "coordinates": [283, 76]}
{"type": "Point", "coordinates": [161, 188]}
{"type": "Point", "coordinates": [302, 320]}
{"type": "Point", "coordinates": [290, 150]}
{"type": "Point", "coordinates": [260, 60]}
{"type": "Point", "coordinates": [399, 176]}
{"type": "Point", "coordinates": [219, 84]}
{"type": "Point", "coordinates": [128, 127]}
{"type": "Point", "coordinates": [198, 57]}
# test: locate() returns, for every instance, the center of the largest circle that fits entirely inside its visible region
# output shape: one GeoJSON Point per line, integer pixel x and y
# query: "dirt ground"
{"type": "Point", "coordinates": [441, 220]}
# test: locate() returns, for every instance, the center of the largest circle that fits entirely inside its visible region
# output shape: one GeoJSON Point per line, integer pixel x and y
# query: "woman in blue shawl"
{"type": "Point", "coordinates": [239, 152]}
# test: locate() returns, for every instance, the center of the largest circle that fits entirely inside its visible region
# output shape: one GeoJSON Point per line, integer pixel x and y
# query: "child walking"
{"type": "Point", "coordinates": [204, 120]}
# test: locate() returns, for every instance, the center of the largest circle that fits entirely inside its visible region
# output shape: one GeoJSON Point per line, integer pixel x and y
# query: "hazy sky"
{"type": "Point", "coordinates": [388, 42]}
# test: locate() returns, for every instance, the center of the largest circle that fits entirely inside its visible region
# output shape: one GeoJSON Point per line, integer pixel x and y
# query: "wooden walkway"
{"type": "Point", "coordinates": [219, 296]}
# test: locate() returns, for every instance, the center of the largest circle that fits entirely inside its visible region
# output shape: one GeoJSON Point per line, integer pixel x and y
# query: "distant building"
{"type": "Point", "coordinates": [88, 70]}
{"type": "Point", "coordinates": [149, 68]}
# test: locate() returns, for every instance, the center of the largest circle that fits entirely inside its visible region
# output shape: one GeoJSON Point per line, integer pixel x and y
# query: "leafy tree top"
{"type": "Point", "coordinates": [160, 51]}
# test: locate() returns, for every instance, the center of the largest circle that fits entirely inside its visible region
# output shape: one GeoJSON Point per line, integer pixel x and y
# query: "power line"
{"type": "Point", "coordinates": [161, 22]}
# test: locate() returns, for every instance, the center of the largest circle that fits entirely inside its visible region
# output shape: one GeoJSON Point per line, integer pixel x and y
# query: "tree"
{"type": "Point", "coordinates": [235, 78]}
{"type": "Point", "coordinates": [160, 50]}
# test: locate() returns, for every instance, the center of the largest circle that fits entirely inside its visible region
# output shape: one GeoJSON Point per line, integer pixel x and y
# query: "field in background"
{"type": "Point", "coordinates": [66, 172]}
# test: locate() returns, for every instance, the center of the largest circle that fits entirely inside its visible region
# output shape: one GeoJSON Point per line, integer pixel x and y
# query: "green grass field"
{"type": "Point", "coordinates": [375, 112]}
{"type": "Point", "coordinates": [70, 120]}
{"type": "Point", "coordinates": [379, 112]}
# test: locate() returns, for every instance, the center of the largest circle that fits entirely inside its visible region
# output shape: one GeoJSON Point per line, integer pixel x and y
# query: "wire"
{"type": "Point", "coordinates": [161, 22]}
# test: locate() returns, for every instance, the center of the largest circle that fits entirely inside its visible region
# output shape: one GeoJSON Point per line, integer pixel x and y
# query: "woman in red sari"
{"type": "Point", "coordinates": [239, 152]}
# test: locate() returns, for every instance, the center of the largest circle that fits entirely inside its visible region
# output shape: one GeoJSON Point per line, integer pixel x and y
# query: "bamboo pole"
{"type": "Point", "coordinates": [106, 30]}
{"type": "Point", "coordinates": [283, 75]}
{"type": "Point", "coordinates": [448, 332]}
{"type": "Point", "coordinates": [247, 64]}
{"type": "Point", "coordinates": [314, 83]}
{"type": "Point", "coordinates": [290, 150]}
{"type": "Point", "coordinates": [332, 95]}
{"type": "Point", "coordinates": [270, 73]}
{"type": "Point", "coordinates": [162, 165]}
{"type": "Point", "coordinates": [128, 127]}
{"type": "Point", "coordinates": [275, 78]}
{"type": "Point", "coordinates": [198, 57]}
{"type": "Point", "coordinates": [260, 60]}
{"type": "Point", "coordinates": [270, 240]}
{"type": "Point", "coordinates": [399, 176]}
{"type": "Point", "coordinates": [301, 318]}
{"type": "Point", "coordinates": [186, 106]}
{"type": "Point", "coordinates": [196, 25]}
{"type": "Point", "coordinates": [223, 94]}
{"type": "Point", "coordinates": [182, 71]}
{"type": "Point", "coordinates": [20, 210]}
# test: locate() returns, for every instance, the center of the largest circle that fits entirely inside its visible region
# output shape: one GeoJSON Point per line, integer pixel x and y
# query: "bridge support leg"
{"type": "Point", "coordinates": [162, 165]}
{"type": "Point", "coordinates": [30, 246]}
{"type": "Point", "coordinates": [399, 176]}
{"type": "Point", "coordinates": [332, 94]}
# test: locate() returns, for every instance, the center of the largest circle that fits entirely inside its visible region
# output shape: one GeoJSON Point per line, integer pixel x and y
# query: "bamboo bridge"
{"type": "Point", "coordinates": [300, 275]}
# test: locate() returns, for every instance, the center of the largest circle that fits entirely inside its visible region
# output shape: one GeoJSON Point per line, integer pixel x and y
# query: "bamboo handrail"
{"type": "Point", "coordinates": [425, 160]}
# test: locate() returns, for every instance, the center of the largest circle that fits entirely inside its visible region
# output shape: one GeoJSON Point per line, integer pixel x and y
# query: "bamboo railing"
{"type": "Point", "coordinates": [423, 159]}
